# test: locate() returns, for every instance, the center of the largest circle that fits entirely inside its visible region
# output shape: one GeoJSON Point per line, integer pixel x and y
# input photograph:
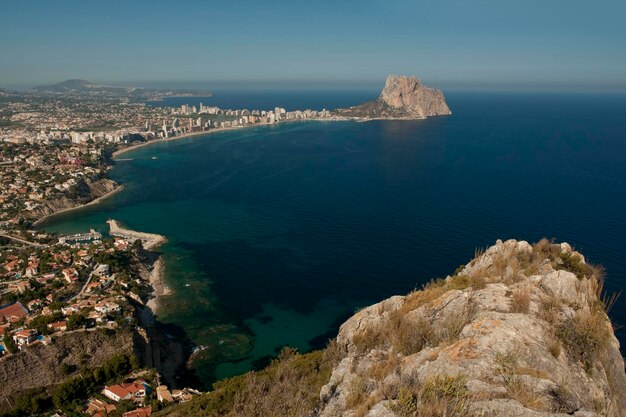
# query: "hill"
{"type": "Point", "coordinates": [83, 88]}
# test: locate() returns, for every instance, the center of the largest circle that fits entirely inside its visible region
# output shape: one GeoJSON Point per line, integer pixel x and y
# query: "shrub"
{"type": "Point", "coordinates": [366, 340]}
{"type": "Point", "coordinates": [289, 386]}
{"type": "Point", "coordinates": [406, 403]}
{"type": "Point", "coordinates": [573, 263]}
{"type": "Point", "coordinates": [406, 336]}
{"type": "Point", "coordinates": [442, 396]}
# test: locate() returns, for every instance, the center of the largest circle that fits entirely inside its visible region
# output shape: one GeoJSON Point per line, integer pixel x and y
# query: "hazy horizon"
{"type": "Point", "coordinates": [556, 46]}
{"type": "Point", "coordinates": [218, 86]}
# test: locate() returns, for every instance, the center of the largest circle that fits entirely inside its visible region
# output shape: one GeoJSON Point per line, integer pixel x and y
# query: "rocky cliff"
{"type": "Point", "coordinates": [402, 98]}
{"type": "Point", "coordinates": [89, 191]}
{"type": "Point", "coordinates": [520, 331]}
{"type": "Point", "coordinates": [41, 366]}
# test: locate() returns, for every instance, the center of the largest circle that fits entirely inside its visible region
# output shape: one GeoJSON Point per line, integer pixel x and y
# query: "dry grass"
{"type": "Point", "coordinates": [364, 407]}
{"type": "Point", "coordinates": [408, 336]}
{"type": "Point", "coordinates": [431, 291]}
{"type": "Point", "coordinates": [516, 388]}
{"type": "Point", "coordinates": [366, 340]}
{"type": "Point", "coordinates": [585, 336]}
{"type": "Point", "coordinates": [526, 395]}
{"type": "Point", "coordinates": [520, 300]}
{"type": "Point", "coordinates": [547, 248]}
{"type": "Point", "coordinates": [535, 373]}
{"type": "Point", "coordinates": [550, 307]}
{"type": "Point", "coordinates": [438, 396]}
{"type": "Point", "coordinates": [554, 346]}
{"type": "Point", "coordinates": [358, 391]}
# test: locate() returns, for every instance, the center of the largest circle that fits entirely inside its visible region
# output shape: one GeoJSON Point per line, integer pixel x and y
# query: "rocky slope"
{"type": "Point", "coordinates": [41, 366]}
{"type": "Point", "coordinates": [401, 98]}
{"type": "Point", "coordinates": [519, 331]}
{"type": "Point", "coordinates": [90, 191]}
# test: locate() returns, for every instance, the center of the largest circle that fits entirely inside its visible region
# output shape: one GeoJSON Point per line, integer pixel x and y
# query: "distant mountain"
{"type": "Point", "coordinates": [76, 87]}
{"type": "Point", "coordinates": [66, 86]}
{"type": "Point", "coordinates": [402, 98]}
{"type": "Point", "coordinates": [4, 92]}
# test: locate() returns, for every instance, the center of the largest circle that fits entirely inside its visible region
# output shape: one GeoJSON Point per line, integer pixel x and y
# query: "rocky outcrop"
{"type": "Point", "coordinates": [401, 98]}
{"type": "Point", "coordinates": [410, 94]}
{"type": "Point", "coordinates": [519, 331]}
{"type": "Point", "coordinates": [91, 191]}
{"type": "Point", "coordinates": [41, 366]}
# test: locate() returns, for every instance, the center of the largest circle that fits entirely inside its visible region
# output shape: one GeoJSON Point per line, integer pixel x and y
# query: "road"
{"type": "Point", "coordinates": [17, 239]}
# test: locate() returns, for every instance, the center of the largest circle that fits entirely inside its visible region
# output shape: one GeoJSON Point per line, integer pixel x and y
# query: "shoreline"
{"type": "Point", "coordinates": [173, 138]}
{"type": "Point", "coordinates": [220, 129]}
{"type": "Point", "coordinates": [95, 201]}
{"type": "Point", "coordinates": [156, 275]}
{"type": "Point", "coordinates": [156, 279]}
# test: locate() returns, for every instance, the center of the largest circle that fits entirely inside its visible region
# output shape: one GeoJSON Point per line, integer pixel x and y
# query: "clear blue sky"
{"type": "Point", "coordinates": [451, 43]}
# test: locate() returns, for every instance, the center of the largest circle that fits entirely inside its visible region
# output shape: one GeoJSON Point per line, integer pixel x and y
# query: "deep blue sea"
{"type": "Point", "coordinates": [277, 234]}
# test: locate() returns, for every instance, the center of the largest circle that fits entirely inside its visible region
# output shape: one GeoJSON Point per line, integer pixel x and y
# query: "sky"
{"type": "Point", "coordinates": [521, 44]}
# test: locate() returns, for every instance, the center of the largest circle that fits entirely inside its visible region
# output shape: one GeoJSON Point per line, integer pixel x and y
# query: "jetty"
{"type": "Point", "coordinates": [149, 240]}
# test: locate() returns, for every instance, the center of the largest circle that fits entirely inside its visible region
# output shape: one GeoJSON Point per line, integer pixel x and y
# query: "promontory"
{"type": "Point", "coordinates": [402, 98]}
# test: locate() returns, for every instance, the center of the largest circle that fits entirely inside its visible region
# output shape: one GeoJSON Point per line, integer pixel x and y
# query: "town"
{"type": "Point", "coordinates": [55, 153]}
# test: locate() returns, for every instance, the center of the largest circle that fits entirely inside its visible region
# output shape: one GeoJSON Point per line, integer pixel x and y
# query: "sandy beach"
{"type": "Point", "coordinates": [219, 129]}
{"type": "Point", "coordinates": [156, 281]}
{"type": "Point", "coordinates": [187, 135]}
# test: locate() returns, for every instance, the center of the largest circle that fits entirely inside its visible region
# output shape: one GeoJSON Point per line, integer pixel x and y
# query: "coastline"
{"type": "Point", "coordinates": [222, 129]}
{"type": "Point", "coordinates": [156, 275]}
{"type": "Point", "coordinates": [95, 201]}
{"type": "Point", "coordinates": [173, 138]}
{"type": "Point", "coordinates": [156, 279]}
{"type": "Point", "coordinates": [150, 240]}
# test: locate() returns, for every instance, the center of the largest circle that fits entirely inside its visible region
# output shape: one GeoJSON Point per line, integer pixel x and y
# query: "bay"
{"type": "Point", "coordinates": [277, 234]}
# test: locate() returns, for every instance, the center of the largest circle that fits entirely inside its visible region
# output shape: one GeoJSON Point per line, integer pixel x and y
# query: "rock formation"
{"type": "Point", "coordinates": [519, 331]}
{"type": "Point", "coordinates": [402, 98]}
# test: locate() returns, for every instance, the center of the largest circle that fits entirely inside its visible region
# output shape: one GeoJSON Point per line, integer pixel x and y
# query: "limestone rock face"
{"type": "Point", "coordinates": [518, 331]}
{"type": "Point", "coordinates": [410, 94]}
{"type": "Point", "coordinates": [402, 98]}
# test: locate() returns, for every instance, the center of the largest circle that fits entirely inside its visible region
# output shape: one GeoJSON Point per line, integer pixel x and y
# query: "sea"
{"type": "Point", "coordinates": [277, 234]}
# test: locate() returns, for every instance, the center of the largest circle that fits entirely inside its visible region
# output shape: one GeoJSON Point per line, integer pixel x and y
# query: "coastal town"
{"type": "Point", "coordinates": [55, 153]}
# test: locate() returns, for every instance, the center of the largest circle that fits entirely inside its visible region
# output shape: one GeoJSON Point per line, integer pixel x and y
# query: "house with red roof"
{"type": "Point", "coordinates": [24, 337]}
{"type": "Point", "coordinates": [140, 412]}
{"type": "Point", "coordinates": [133, 391]}
{"type": "Point", "coordinates": [59, 326]}
{"type": "Point", "coordinates": [116, 393]}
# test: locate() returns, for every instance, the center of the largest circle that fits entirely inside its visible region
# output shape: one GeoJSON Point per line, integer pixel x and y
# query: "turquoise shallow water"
{"type": "Point", "coordinates": [277, 234]}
